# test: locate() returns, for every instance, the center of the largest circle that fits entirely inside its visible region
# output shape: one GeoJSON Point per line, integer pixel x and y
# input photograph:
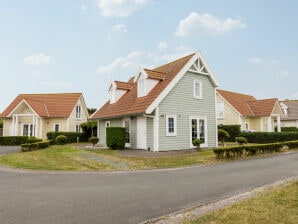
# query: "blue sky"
{"type": "Point", "coordinates": [49, 46]}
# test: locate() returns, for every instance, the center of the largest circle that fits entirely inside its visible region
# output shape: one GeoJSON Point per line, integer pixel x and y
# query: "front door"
{"type": "Point", "coordinates": [27, 130]}
{"type": "Point", "coordinates": [198, 129]}
{"type": "Point", "coordinates": [141, 133]}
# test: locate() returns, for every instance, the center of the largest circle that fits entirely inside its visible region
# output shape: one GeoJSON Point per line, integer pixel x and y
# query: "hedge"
{"type": "Point", "coordinates": [233, 130]}
{"type": "Point", "coordinates": [269, 137]}
{"type": "Point", "coordinates": [26, 147]}
{"type": "Point", "coordinates": [238, 151]}
{"type": "Point", "coordinates": [289, 129]}
{"type": "Point", "coordinates": [13, 140]}
{"type": "Point", "coordinates": [115, 137]}
{"type": "Point", "coordinates": [71, 136]}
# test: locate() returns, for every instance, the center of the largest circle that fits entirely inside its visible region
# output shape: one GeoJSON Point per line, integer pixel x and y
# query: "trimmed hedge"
{"type": "Point", "coordinates": [115, 138]}
{"type": "Point", "coordinates": [71, 136]}
{"type": "Point", "coordinates": [33, 139]}
{"type": "Point", "coordinates": [289, 129]}
{"type": "Point", "coordinates": [26, 147]}
{"type": "Point", "coordinates": [61, 140]}
{"type": "Point", "coordinates": [93, 140]}
{"type": "Point", "coordinates": [249, 150]}
{"type": "Point", "coordinates": [233, 130]}
{"type": "Point", "coordinates": [269, 137]}
{"type": "Point", "coordinates": [13, 140]}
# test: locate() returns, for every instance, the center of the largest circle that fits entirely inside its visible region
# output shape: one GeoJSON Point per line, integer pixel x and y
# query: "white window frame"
{"type": "Point", "coordinates": [108, 124]}
{"type": "Point", "coordinates": [194, 89]}
{"type": "Point", "coordinates": [55, 127]}
{"type": "Point", "coordinates": [167, 125]}
{"type": "Point", "coordinates": [78, 128]}
{"type": "Point", "coordinates": [198, 118]}
{"type": "Point", "coordinates": [142, 91]}
{"type": "Point", "coordinates": [78, 111]}
{"type": "Point", "coordinates": [220, 105]}
{"type": "Point", "coordinates": [129, 131]}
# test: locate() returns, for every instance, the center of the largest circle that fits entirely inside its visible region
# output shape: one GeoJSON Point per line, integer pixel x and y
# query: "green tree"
{"type": "Point", "coordinates": [222, 135]}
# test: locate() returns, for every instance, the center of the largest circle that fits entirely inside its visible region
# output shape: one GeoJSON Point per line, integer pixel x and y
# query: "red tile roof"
{"type": "Point", "coordinates": [123, 85]}
{"type": "Point", "coordinates": [130, 104]}
{"type": "Point", "coordinates": [46, 105]}
{"type": "Point", "coordinates": [247, 105]}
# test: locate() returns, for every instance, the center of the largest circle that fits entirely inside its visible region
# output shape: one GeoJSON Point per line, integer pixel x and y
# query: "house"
{"type": "Point", "coordinates": [165, 108]}
{"type": "Point", "coordinates": [248, 112]}
{"type": "Point", "coordinates": [37, 114]}
{"type": "Point", "coordinates": [290, 109]}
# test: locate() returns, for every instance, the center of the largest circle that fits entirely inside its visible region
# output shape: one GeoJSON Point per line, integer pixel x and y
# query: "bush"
{"type": "Point", "coordinates": [43, 145]}
{"type": "Point", "coordinates": [93, 140]}
{"type": "Point", "coordinates": [289, 129]}
{"type": "Point", "coordinates": [13, 140]}
{"type": "Point", "coordinates": [61, 140]}
{"type": "Point", "coordinates": [241, 140]}
{"type": "Point", "coordinates": [269, 137]}
{"type": "Point", "coordinates": [71, 136]}
{"type": "Point", "coordinates": [33, 139]}
{"type": "Point", "coordinates": [26, 147]}
{"type": "Point", "coordinates": [115, 138]}
{"type": "Point", "coordinates": [233, 130]}
{"type": "Point", "coordinates": [197, 142]}
{"type": "Point", "coordinates": [222, 135]}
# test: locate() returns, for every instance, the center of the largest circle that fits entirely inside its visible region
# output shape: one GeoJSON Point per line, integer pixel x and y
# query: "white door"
{"type": "Point", "coordinates": [141, 133]}
{"type": "Point", "coordinates": [198, 129]}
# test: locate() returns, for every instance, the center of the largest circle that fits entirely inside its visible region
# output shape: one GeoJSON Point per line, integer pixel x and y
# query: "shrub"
{"type": "Point", "coordinates": [61, 140]}
{"type": "Point", "coordinates": [222, 135]}
{"type": "Point", "coordinates": [13, 140]}
{"type": "Point", "coordinates": [33, 139]}
{"type": "Point", "coordinates": [269, 137]}
{"type": "Point", "coordinates": [43, 144]}
{"type": "Point", "coordinates": [241, 140]}
{"type": "Point", "coordinates": [289, 129]}
{"type": "Point", "coordinates": [93, 140]}
{"type": "Point", "coordinates": [71, 136]}
{"type": "Point", "coordinates": [26, 147]}
{"type": "Point", "coordinates": [233, 130]}
{"type": "Point", "coordinates": [197, 142]}
{"type": "Point", "coordinates": [115, 137]}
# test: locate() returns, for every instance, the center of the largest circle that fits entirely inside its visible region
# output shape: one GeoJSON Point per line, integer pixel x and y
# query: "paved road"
{"type": "Point", "coordinates": [129, 197]}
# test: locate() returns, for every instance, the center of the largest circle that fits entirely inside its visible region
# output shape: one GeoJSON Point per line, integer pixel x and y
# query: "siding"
{"type": "Point", "coordinates": [102, 128]}
{"type": "Point", "coordinates": [181, 102]}
{"type": "Point", "coordinates": [133, 132]}
{"type": "Point", "coordinates": [231, 116]}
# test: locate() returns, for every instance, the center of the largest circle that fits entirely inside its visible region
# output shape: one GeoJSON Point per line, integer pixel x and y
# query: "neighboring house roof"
{"type": "Point", "coordinates": [46, 105]}
{"type": "Point", "coordinates": [292, 109]}
{"type": "Point", "coordinates": [130, 104]}
{"type": "Point", "coordinates": [248, 105]}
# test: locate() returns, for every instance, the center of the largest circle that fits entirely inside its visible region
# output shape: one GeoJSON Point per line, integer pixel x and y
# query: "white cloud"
{"type": "Point", "coordinates": [39, 59]}
{"type": "Point", "coordinates": [41, 74]}
{"type": "Point", "coordinates": [255, 61]}
{"type": "Point", "coordinates": [162, 46]}
{"type": "Point", "coordinates": [206, 24]}
{"type": "Point", "coordinates": [119, 8]}
{"type": "Point", "coordinates": [83, 8]}
{"type": "Point", "coordinates": [129, 62]}
{"type": "Point", "coordinates": [283, 74]}
{"type": "Point", "coordinates": [120, 28]}
{"type": "Point", "coordinates": [56, 84]}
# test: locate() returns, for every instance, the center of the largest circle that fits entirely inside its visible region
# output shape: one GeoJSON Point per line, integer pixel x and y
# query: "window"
{"type": "Point", "coordinates": [197, 87]}
{"type": "Point", "coordinates": [108, 124]}
{"type": "Point", "coordinates": [56, 127]}
{"type": "Point", "coordinates": [127, 131]}
{"type": "Point", "coordinates": [78, 128]}
{"type": "Point", "coordinates": [141, 87]}
{"type": "Point", "coordinates": [220, 110]}
{"type": "Point", "coordinates": [198, 130]}
{"type": "Point", "coordinates": [78, 111]}
{"type": "Point", "coordinates": [171, 127]}
{"type": "Point", "coordinates": [28, 130]}
{"type": "Point", "coordinates": [246, 126]}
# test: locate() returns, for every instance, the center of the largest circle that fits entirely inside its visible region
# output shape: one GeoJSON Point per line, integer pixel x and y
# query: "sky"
{"type": "Point", "coordinates": [57, 46]}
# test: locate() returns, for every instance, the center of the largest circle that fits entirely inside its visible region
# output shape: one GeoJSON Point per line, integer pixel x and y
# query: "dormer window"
{"type": "Point", "coordinates": [117, 90]}
{"type": "Point", "coordinates": [142, 87]}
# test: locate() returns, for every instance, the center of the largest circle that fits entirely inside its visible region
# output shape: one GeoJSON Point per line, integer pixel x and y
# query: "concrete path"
{"type": "Point", "coordinates": [30, 197]}
{"type": "Point", "coordinates": [9, 149]}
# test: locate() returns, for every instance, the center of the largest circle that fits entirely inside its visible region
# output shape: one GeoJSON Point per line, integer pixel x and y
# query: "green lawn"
{"type": "Point", "coordinates": [68, 158]}
{"type": "Point", "coordinates": [275, 207]}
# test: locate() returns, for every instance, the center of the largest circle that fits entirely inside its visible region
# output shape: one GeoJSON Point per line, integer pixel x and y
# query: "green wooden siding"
{"type": "Point", "coordinates": [181, 102]}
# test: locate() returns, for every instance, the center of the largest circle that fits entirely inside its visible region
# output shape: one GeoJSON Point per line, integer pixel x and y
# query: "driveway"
{"type": "Point", "coordinates": [30, 197]}
{"type": "Point", "coordinates": [9, 149]}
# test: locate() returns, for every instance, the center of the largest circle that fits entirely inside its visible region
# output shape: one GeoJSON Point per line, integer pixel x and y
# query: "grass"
{"type": "Point", "coordinates": [68, 158]}
{"type": "Point", "coordinates": [274, 207]}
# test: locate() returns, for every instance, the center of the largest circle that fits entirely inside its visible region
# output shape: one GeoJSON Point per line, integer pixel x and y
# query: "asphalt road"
{"type": "Point", "coordinates": [129, 197]}
{"type": "Point", "coordinates": [9, 149]}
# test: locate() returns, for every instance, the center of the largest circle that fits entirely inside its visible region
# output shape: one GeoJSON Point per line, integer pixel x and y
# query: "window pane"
{"type": "Point", "coordinates": [197, 89]}
{"type": "Point", "coordinates": [127, 134]}
{"type": "Point", "coordinates": [171, 125]}
{"type": "Point", "coordinates": [194, 128]}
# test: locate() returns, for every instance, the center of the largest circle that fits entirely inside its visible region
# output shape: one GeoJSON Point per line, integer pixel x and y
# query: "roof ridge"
{"type": "Point", "coordinates": [237, 93]}
{"type": "Point", "coordinates": [172, 62]}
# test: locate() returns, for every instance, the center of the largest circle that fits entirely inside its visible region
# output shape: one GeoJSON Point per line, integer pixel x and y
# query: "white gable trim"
{"type": "Point", "coordinates": [177, 78]}
{"type": "Point", "coordinates": [227, 102]}
{"type": "Point", "coordinates": [141, 71]}
{"type": "Point", "coordinates": [23, 101]}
